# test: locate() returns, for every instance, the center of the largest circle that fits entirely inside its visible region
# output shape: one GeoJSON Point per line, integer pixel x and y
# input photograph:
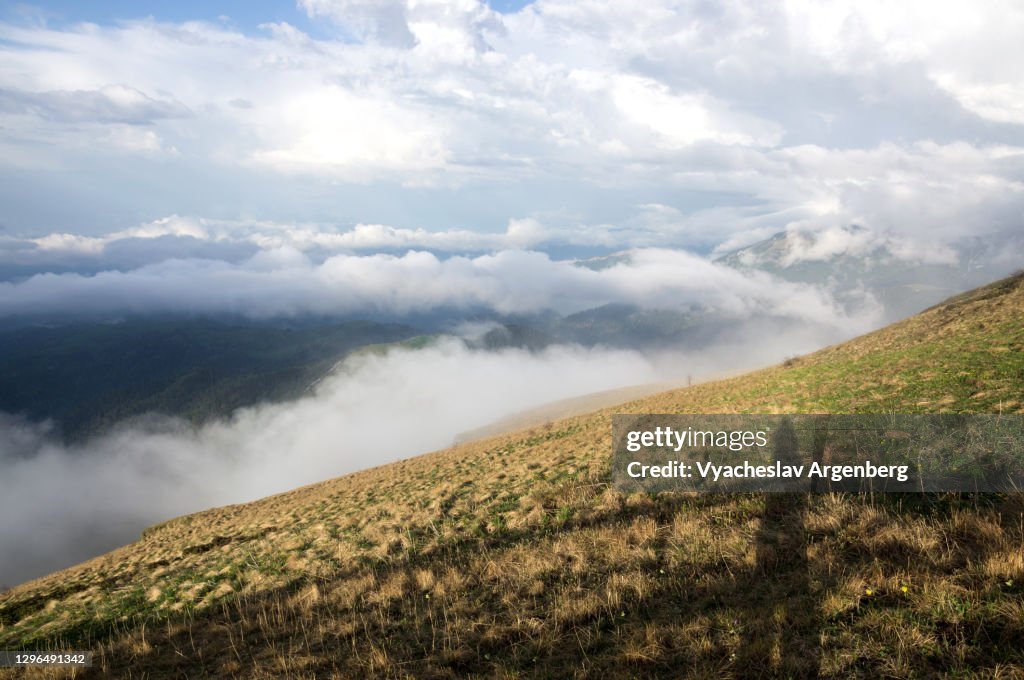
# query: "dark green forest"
{"type": "Point", "coordinates": [87, 376]}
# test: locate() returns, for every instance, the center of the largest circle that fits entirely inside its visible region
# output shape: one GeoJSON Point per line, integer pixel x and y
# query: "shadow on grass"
{"type": "Point", "coordinates": [782, 627]}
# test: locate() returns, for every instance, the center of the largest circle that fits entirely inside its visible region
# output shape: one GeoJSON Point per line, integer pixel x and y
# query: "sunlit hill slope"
{"type": "Point", "coordinates": [512, 557]}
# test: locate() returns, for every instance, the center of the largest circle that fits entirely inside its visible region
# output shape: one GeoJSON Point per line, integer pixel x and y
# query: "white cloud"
{"type": "Point", "coordinates": [167, 226]}
{"type": "Point", "coordinates": [71, 242]}
{"type": "Point", "coordinates": [556, 84]}
{"type": "Point", "coordinates": [822, 245]}
{"type": "Point", "coordinates": [969, 50]}
{"type": "Point", "coordinates": [439, 28]}
{"type": "Point", "coordinates": [523, 233]}
{"type": "Point", "coordinates": [355, 136]}
{"type": "Point", "coordinates": [999, 102]}
{"type": "Point", "coordinates": [285, 282]}
{"type": "Point", "coordinates": [133, 139]}
{"type": "Point", "coordinates": [116, 104]}
{"type": "Point", "coordinates": [687, 118]}
{"type": "Point", "coordinates": [520, 233]}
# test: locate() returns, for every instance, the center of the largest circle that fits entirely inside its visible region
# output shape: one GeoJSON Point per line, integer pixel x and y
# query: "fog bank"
{"type": "Point", "coordinates": [60, 505]}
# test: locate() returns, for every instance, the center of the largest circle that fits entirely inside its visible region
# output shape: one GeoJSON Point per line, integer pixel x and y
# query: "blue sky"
{"type": "Point", "coordinates": [241, 14]}
{"type": "Point", "coordinates": [244, 13]}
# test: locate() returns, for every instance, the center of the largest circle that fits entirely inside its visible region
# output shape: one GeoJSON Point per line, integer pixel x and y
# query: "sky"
{"type": "Point", "coordinates": [658, 124]}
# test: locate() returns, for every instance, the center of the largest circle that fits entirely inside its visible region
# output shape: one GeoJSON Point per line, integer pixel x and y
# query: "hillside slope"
{"type": "Point", "coordinates": [512, 557]}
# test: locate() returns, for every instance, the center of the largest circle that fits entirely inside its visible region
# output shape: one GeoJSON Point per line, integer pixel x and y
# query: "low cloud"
{"type": "Point", "coordinates": [100, 494]}
{"type": "Point", "coordinates": [826, 244]}
{"type": "Point", "coordinates": [285, 282]}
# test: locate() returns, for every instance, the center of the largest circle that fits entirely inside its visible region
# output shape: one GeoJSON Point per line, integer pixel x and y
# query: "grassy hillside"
{"type": "Point", "coordinates": [512, 557]}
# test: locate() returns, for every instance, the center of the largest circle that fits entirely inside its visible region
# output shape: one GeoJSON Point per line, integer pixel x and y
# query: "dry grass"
{"type": "Point", "coordinates": [512, 557]}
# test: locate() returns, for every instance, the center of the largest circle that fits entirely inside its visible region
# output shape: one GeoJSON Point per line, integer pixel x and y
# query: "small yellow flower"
{"type": "Point", "coordinates": [868, 591]}
{"type": "Point", "coordinates": [904, 588]}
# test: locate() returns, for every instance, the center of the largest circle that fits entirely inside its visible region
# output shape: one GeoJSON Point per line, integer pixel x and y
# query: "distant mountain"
{"type": "Point", "coordinates": [623, 325]}
{"type": "Point", "coordinates": [87, 376]}
{"type": "Point", "coordinates": [904, 285]}
{"type": "Point", "coordinates": [613, 325]}
{"type": "Point", "coordinates": [513, 335]}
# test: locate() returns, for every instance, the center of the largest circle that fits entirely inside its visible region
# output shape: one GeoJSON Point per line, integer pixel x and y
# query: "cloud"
{"type": "Point", "coordinates": [924, 197]}
{"type": "Point", "coordinates": [135, 140]}
{"type": "Point", "coordinates": [825, 244]}
{"type": "Point", "coordinates": [354, 136]}
{"type": "Point", "coordinates": [682, 119]}
{"type": "Point", "coordinates": [380, 21]}
{"type": "Point", "coordinates": [456, 27]}
{"type": "Point", "coordinates": [167, 226]}
{"type": "Point", "coordinates": [108, 104]}
{"type": "Point", "coordinates": [780, 115]}
{"type": "Point", "coordinates": [285, 282]}
{"type": "Point", "coordinates": [962, 50]}
{"type": "Point", "coordinates": [209, 239]}
{"type": "Point", "coordinates": [171, 237]}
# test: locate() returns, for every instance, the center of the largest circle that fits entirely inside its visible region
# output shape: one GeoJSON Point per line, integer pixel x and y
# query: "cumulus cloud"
{"type": "Point", "coordinates": [346, 134]}
{"type": "Point", "coordinates": [682, 119]}
{"type": "Point", "coordinates": [961, 49]}
{"type": "Point", "coordinates": [778, 115]}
